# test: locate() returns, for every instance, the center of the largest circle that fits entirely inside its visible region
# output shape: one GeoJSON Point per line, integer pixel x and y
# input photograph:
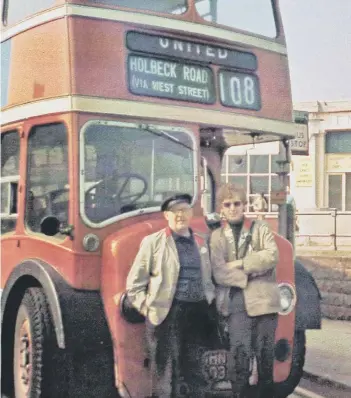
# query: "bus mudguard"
{"type": "Point", "coordinates": [48, 278]}
{"type": "Point", "coordinates": [76, 314]}
{"type": "Point", "coordinates": [308, 309]}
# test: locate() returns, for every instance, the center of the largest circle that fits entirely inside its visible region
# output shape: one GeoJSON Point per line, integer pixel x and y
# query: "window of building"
{"type": "Point", "coordinates": [47, 179]}
{"type": "Point", "coordinates": [339, 191]}
{"type": "Point", "coordinates": [238, 180]}
{"type": "Point", "coordinates": [255, 173]}
{"type": "Point", "coordinates": [335, 191]}
{"type": "Point", "coordinates": [10, 150]}
{"type": "Point", "coordinates": [16, 10]}
{"type": "Point", "coordinates": [338, 142]}
{"type": "Point", "coordinates": [338, 158]}
{"type": "Point", "coordinates": [347, 191]}
{"type": "Point", "coordinates": [259, 164]}
{"type": "Point", "coordinates": [237, 164]}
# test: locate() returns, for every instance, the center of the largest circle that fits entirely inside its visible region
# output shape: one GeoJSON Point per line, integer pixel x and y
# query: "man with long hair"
{"type": "Point", "coordinates": [244, 258]}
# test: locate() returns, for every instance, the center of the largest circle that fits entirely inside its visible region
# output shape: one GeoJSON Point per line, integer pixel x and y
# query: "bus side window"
{"type": "Point", "coordinates": [10, 147]}
{"type": "Point", "coordinates": [47, 178]}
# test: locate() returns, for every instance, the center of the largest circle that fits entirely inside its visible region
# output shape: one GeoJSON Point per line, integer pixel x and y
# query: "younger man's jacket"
{"type": "Point", "coordinates": [255, 273]}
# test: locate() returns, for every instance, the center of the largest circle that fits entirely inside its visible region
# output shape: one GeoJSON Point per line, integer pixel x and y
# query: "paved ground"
{"type": "Point", "coordinates": [315, 389]}
{"type": "Point", "coordinates": [329, 351]}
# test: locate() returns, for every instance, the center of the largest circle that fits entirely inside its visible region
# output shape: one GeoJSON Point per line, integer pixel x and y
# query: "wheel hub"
{"type": "Point", "coordinates": [24, 353]}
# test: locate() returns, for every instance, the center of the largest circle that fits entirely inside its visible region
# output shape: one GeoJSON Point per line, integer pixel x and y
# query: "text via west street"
{"type": "Point", "coordinates": [168, 79]}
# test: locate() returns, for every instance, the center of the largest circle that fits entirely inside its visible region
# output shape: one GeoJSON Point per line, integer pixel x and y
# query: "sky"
{"type": "Point", "coordinates": [318, 36]}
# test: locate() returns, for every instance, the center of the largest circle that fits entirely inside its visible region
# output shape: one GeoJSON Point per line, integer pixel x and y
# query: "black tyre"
{"type": "Point", "coordinates": [35, 349]}
{"type": "Point", "coordinates": [285, 388]}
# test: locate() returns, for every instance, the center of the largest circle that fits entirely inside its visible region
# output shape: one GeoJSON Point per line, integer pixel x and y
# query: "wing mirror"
{"type": "Point", "coordinates": [213, 220]}
{"type": "Point", "coordinates": [51, 226]}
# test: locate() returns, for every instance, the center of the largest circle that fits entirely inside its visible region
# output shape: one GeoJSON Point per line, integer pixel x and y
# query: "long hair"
{"type": "Point", "coordinates": [230, 191]}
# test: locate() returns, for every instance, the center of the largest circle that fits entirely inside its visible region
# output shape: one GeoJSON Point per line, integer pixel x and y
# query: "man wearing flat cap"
{"type": "Point", "coordinates": [170, 283]}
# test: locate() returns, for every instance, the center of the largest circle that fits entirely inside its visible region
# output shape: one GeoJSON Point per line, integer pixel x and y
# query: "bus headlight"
{"type": "Point", "coordinates": [91, 242]}
{"type": "Point", "coordinates": [287, 298]}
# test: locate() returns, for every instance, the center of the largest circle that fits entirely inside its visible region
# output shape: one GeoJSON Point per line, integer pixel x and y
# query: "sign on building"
{"type": "Point", "coordinates": [303, 172]}
{"type": "Point", "coordinates": [338, 162]}
{"type": "Point", "coordinates": [299, 145]}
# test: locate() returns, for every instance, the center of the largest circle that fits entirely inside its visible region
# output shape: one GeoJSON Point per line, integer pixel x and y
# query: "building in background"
{"type": "Point", "coordinates": [320, 174]}
{"type": "Point", "coordinates": [323, 178]}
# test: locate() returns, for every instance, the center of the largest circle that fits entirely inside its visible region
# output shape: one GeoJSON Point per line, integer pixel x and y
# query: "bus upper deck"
{"type": "Point", "coordinates": [134, 58]}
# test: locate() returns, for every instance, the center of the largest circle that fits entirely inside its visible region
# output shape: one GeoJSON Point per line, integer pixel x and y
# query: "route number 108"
{"type": "Point", "coordinates": [239, 90]}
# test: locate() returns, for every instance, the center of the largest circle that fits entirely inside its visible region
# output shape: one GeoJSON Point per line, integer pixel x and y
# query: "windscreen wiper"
{"type": "Point", "coordinates": [165, 134]}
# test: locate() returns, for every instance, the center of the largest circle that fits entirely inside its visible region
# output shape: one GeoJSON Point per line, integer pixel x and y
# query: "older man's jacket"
{"type": "Point", "coordinates": [255, 273]}
{"type": "Point", "coordinates": [152, 280]}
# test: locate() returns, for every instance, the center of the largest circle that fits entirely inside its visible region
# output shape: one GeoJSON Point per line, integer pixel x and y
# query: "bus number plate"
{"type": "Point", "coordinates": [214, 365]}
{"type": "Point", "coordinates": [239, 90]}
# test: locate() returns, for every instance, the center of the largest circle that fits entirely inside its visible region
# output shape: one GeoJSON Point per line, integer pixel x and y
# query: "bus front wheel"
{"type": "Point", "coordinates": [34, 348]}
{"type": "Point", "coordinates": [286, 387]}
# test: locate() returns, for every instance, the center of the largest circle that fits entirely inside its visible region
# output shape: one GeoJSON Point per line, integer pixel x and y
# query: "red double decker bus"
{"type": "Point", "coordinates": [109, 107]}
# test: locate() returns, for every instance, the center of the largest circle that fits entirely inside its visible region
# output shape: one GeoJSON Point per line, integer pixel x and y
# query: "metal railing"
{"type": "Point", "coordinates": [330, 224]}
{"type": "Point", "coordinates": [335, 223]}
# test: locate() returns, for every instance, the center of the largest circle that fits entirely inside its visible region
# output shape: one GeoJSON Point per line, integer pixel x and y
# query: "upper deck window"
{"type": "Point", "coordinates": [249, 15]}
{"type": "Point", "coordinates": [5, 70]}
{"type": "Point", "coordinates": [16, 10]}
{"type": "Point", "coordinates": [165, 6]}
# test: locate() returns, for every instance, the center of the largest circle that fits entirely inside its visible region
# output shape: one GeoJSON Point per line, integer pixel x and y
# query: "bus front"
{"type": "Point", "coordinates": [142, 99]}
{"type": "Point", "coordinates": [179, 83]}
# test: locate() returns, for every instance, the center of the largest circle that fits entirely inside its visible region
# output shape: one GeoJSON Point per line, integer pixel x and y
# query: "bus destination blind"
{"type": "Point", "coordinates": [190, 51]}
{"type": "Point", "coordinates": [156, 77]}
{"type": "Point", "coordinates": [167, 70]}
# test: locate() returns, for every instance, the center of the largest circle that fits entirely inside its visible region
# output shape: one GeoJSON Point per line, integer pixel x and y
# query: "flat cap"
{"type": "Point", "coordinates": [175, 199]}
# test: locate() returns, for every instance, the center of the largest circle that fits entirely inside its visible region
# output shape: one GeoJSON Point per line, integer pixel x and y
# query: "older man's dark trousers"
{"type": "Point", "coordinates": [165, 344]}
{"type": "Point", "coordinates": [248, 336]}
